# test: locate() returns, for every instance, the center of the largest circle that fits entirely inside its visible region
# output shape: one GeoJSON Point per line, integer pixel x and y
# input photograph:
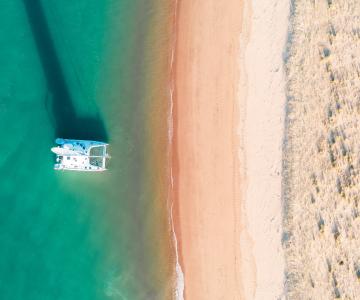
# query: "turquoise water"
{"type": "Point", "coordinates": [78, 69]}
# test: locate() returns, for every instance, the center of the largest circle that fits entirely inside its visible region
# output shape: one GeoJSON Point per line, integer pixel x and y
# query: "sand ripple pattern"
{"type": "Point", "coordinates": [322, 151]}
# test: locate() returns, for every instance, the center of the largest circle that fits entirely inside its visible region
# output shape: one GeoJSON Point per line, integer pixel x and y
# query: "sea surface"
{"type": "Point", "coordinates": [86, 69]}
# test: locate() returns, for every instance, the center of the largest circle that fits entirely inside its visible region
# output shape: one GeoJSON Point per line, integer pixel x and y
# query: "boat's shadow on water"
{"type": "Point", "coordinates": [67, 123]}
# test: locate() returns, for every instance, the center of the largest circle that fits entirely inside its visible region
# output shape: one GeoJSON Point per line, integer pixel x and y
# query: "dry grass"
{"type": "Point", "coordinates": [322, 151]}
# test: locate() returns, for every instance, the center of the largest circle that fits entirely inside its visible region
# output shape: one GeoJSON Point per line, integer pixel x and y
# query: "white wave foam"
{"type": "Point", "coordinates": [180, 283]}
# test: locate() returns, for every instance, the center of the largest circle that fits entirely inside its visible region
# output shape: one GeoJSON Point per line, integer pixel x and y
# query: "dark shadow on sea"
{"type": "Point", "coordinates": [67, 123]}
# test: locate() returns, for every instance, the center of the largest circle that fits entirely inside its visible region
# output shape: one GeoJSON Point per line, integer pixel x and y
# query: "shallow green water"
{"type": "Point", "coordinates": [75, 69]}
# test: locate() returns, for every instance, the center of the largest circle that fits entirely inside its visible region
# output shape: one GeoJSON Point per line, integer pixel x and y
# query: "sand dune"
{"type": "Point", "coordinates": [322, 161]}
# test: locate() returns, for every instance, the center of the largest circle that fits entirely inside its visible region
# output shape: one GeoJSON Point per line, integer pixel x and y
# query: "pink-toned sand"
{"type": "Point", "coordinates": [206, 146]}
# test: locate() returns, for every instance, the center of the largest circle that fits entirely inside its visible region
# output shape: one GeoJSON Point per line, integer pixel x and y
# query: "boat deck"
{"type": "Point", "coordinates": [77, 162]}
{"type": "Point", "coordinates": [79, 155]}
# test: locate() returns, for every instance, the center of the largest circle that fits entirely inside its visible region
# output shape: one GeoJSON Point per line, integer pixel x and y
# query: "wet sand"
{"type": "Point", "coordinates": [206, 144]}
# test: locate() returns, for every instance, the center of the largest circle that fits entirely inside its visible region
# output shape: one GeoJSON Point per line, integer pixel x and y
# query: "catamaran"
{"type": "Point", "coordinates": [80, 155]}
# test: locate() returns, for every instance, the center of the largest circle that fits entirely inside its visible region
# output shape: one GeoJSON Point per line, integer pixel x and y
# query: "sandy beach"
{"type": "Point", "coordinates": [266, 149]}
{"type": "Point", "coordinates": [228, 131]}
{"type": "Point", "coordinates": [263, 83]}
{"type": "Point", "coordinates": [207, 175]}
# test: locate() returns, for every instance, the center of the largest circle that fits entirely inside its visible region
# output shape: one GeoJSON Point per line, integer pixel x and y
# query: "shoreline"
{"type": "Point", "coordinates": [179, 280]}
{"type": "Point", "coordinates": [174, 209]}
{"type": "Point", "coordinates": [200, 227]}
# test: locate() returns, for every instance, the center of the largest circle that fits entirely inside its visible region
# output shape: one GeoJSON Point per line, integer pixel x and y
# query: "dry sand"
{"type": "Point", "coordinates": [206, 174]}
{"type": "Point", "coordinates": [263, 84]}
{"type": "Point", "coordinates": [322, 168]}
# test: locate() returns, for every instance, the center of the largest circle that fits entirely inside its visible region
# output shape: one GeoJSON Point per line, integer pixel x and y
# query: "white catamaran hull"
{"type": "Point", "coordinates": [80, 155]}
